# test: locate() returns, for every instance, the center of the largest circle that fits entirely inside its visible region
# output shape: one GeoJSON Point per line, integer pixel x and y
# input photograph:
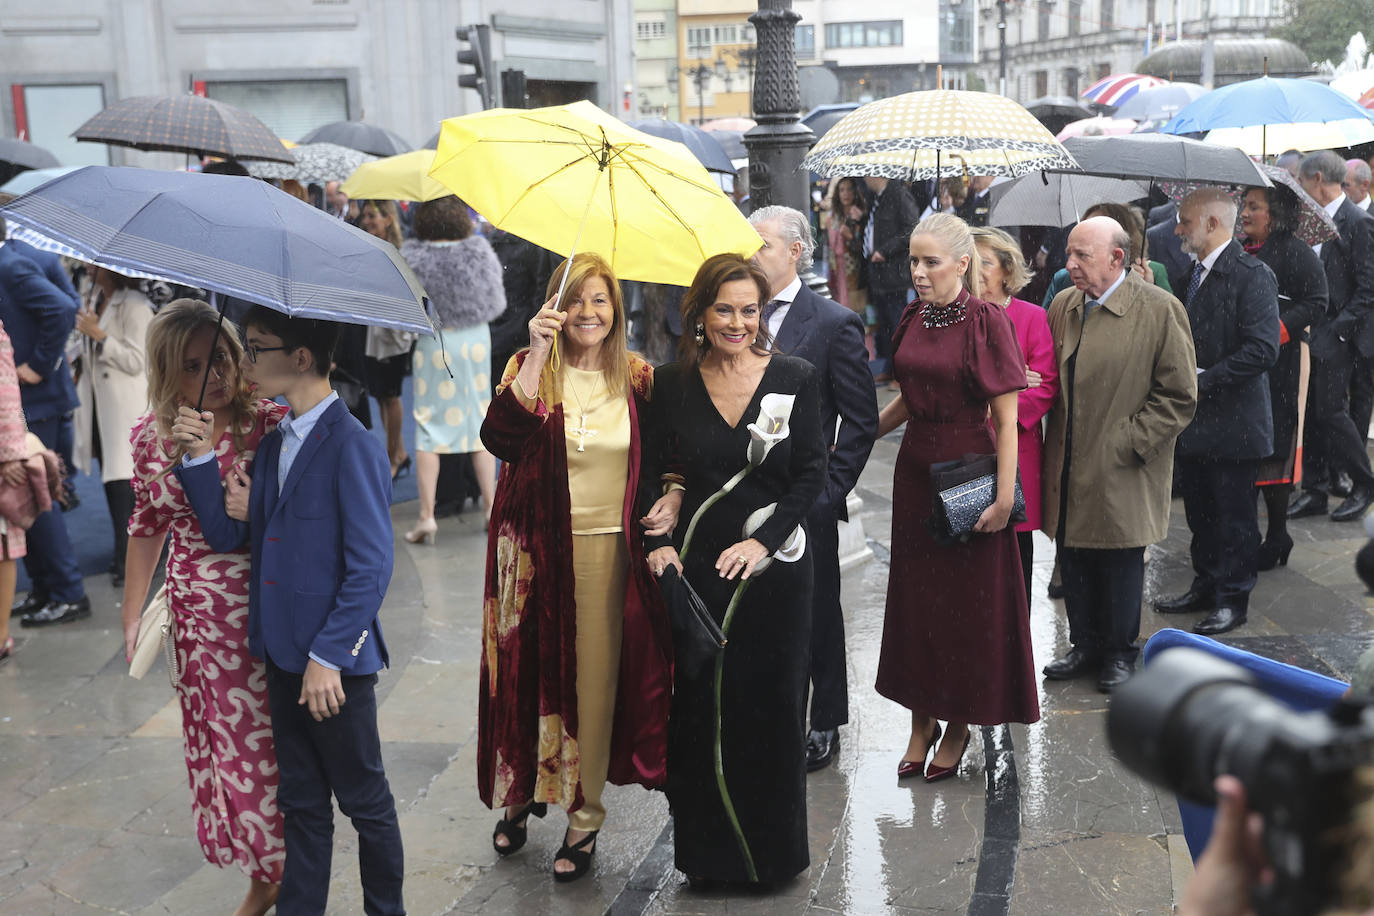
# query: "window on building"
{"type": "Point", "coordinates": [1075, 16]}
{"type": "Point", "coordinates": [289, 108]}
{"type": "Point", "coordinates": [886, 34]}
{"type": "Point", "coordinates": [1042, 83]}
{"type": "Point", "coordinates": [650, 29]}
{"type": "Point", "coordinates": [806, 42]}
{"type": "Point", "coordinates": [1042, 21]}
{"type": "Point", "coordinates": [51, 113]}
{"type": "Point", "coordinates": [1071, 82]}
{"type": "Point", "coordinates": [1106, 19]}
{"type": "Point", "coordinates": [746, 34]}
{"type": "Point", "coordinates": [699, 42]}
{"type": "Point", "coordinates": [956, 31]}
{"type": "Point", "coordinates": [1104, 70]}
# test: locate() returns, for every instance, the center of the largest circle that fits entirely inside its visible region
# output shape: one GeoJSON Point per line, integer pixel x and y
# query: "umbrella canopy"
{"type": "Point", "coordinates": [703, 145]}
{"type": "Point", "coordinates": [1096, 127]}
{"type": "Point", "coordinates": [1160, 103]}
{"type": "Point", "coordinates": [25, 155]}
{"type": "Point", "coordinates": [1120, 88]}
{"type": "Point", "coordinates": [573, 178]}
{"type": "Point", "coordinates": [743, 125]}
{"type": "Point", "coordinates": [403, 177]}
{"type": "Point", "coordinates": [1266, 100]}
{"type": "Point", "coordinates": [823, 117]}
{"type": "Point", "coordinates": [1058, 106]}
{"type": "Point", "coordinates": [732, 141]}
{"type": "Point", "coordinates": [315, 163]}
{"type": "Point", "coordinates": [1263, 139]}
{"type": "Point", "coordinates": [184, 124]}
{"type": "Point", "coordinates": [935, 133]}
{"type": "Point", "coordinates": [1163, 156]}
{"type": "Point", "coordinates": [28, 180]}
{"type": "Point", "coordinates": [1057, 198]}
{"type": "Point", "coordinates": [235, 236]}
{"type": "Point", "coordinates": [1314, 226]}
{"type": "Point", "coordinates": [365, 138]}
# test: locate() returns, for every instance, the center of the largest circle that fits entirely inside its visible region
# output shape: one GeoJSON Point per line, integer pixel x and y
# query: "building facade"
{"type": "Point", "coordinates": [1061, 47]}
{"type": "Point", "coordinates": [296, 64]}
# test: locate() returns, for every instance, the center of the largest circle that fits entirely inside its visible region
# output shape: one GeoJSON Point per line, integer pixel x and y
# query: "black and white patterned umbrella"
{"type": "Point", "coordinates": [937, 133]}
{"type": "Point", "coordinates": [315, 163]}
{"type": "Point", "coordinates": [184, 124]}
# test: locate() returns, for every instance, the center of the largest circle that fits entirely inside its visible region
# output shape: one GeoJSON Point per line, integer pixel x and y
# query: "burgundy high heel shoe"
{"type": "Point", "coordinates": [935, 774]}
{"type": "Point", "coordinates": [907, 768]}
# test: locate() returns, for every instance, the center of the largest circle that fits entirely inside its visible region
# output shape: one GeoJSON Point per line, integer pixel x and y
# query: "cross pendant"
{"type": "Point", "coordinates": [582, 432]}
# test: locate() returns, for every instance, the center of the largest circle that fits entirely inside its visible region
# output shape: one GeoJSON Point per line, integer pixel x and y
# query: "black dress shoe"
{"type": "Point", "coordinates": [1308, 503]}
{"type": "Point", "coordinates": [1055, 590]}
{"type": "Point", "coordinates": [1354, 507]}
{"type": "Point", "coordinates": [1114, 673]}
{"type": "Point", "coordinates": [1191, 600]}
{"type": "Point", "coordinates": [30, 603]}
{"type": "Point", "coordinates": [58, 612]}
{"type": "Point", "coordinates": [1220, 621]}
{"type": "Point", "coordinates": [1342, 485]}
{"type": "Point", "coordinates": [821, 745]}
{"type": "Point", "coordinates": [1076, 664]}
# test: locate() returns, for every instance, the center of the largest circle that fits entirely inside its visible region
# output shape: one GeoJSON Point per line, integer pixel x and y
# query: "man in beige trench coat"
{"type": "Point", "coordinates": [1128, 387]}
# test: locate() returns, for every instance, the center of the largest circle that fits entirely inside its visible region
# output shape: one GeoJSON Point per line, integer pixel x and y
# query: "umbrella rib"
{"type": "Point", "coordinates": [549, 177]}
{"type": "Point", "coordinates": [667, 206]}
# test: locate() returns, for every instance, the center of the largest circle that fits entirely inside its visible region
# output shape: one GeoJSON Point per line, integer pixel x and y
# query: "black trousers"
{"type": "Point", "coordinates": [1102, 591]}
{"type": "Point", "coordinates": [1025, 543]}
{"type": "Point", "coordinates": [888, 305]}
{"type": "Point", "coordinates": [829, 668]}
{"type": "Point", "coordinates": [341, 756]}
{"type": "Point", "coordinates": [1332, 442]}
{"type": "Point", "coordinates": [1362, 395]}
{"type": "Point", "coordinates": [1219, 501]}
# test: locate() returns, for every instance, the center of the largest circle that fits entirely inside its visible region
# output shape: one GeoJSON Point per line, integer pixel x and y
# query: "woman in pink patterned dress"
{"type": "Point", "coordinates": [223, 690]}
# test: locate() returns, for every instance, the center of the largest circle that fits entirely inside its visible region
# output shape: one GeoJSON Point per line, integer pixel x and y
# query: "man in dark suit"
{"type": "Point", "coordinates": [1232, 300]}
{"type": "Point", "coordinates": [38, 318]}
{"type": "Point", "coordinates": [885, 242]}
{"type": "Point", "coordinates": [1165, 246]}
{"type": "Point", "coordinates": [831, 338]}
{"type": "Point", "coordinates": [318, 514]}
{"type": "Point", "coordinates": [1333, 444]}
{"type": "Point", "coordinates": [976, 206]}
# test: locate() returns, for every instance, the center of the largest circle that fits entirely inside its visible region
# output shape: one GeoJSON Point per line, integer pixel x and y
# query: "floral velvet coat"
{"type": "Point", "coordinates": [527, 710]}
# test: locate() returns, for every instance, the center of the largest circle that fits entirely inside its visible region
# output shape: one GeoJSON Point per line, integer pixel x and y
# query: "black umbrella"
{"type": "Point", "coordinates": [24, 155]}
{"type": "Point", "coordinates": [1163, 157]}
{"type": "Point", "coordinates": [705, 146]}
{"type": "Point", "coordinates": [732, 141]}
{"type": "Point", "coordinates": [823, 117]}
{"type": "Point", "coordinates": [1058, 106]}
{"type": "Point", "coordinates": [184, 124]}
{"type": "Point", "coordinates": [365, 138]}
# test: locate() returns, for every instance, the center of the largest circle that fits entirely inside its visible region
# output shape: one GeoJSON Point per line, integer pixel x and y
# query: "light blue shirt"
{"type": "Point", "coordinates": [1111, 289]}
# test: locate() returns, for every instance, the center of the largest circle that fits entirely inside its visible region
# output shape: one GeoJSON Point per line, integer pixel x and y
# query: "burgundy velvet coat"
{"type": "Point", "coordinates": [527, 712]}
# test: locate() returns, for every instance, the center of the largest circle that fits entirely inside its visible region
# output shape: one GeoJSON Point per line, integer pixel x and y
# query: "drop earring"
{"type": "Point", "coordinates": [701, 334]}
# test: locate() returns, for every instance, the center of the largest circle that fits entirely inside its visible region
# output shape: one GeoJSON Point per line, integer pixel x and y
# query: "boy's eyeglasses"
{"type": "Point", "coordinates": [252, 352]}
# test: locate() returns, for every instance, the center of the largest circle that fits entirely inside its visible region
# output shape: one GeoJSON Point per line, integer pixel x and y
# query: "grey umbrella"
{"type": "Point", "coordinates": [1163, 157]}
{"type": "Point", "coordinates": [367, 138]}
{"type": "Point", "coordinates": [1058, 106]}
{"type": "Point", "coordinates": [1057, 198]}
{"type": "Point", "coordinates": [25, 155]}
{"type": "Point", "coordinates": [1160, 103]}
{"type": "Point", "coordinates": [315, 163]}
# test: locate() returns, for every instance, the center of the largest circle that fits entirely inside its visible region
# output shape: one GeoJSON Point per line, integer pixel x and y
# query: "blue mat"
{"type": "Point", "coordinates": [92, 538]}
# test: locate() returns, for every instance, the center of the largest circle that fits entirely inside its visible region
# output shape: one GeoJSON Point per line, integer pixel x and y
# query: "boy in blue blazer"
{"type": "Point", "coordinates": [318, 512]}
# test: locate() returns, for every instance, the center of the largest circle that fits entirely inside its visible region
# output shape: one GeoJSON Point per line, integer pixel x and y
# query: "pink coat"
{"type": "Point", "coordinates": [1033, 334]}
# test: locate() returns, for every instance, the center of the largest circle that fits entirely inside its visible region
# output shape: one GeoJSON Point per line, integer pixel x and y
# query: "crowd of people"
{"type": "Point", "coordinates": [1204, 351]}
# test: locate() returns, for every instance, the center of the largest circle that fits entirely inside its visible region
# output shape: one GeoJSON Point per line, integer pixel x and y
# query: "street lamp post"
{"type": "Point", "coordinates": [700, 75]}
{"type": "Point", "coordinates": [779, 141]}
{"type": "Point", "coordinates": [1002, 47]}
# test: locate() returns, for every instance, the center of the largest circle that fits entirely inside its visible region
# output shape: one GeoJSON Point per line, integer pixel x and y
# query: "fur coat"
{"type": "Point", "coordinates": [527, 724]}
{"type": "Point", "coordinates": [463, 280]}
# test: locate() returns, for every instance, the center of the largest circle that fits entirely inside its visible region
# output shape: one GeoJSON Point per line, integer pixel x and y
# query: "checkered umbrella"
{"type": "Point", "coordinates": [184, 124]}
{"type": "Point", "coordinates": [315, 163]}
{"type": "Point", "coordinates": [937, 133]}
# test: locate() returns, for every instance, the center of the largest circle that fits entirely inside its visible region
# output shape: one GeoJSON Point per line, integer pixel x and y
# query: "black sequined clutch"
{"type": "Point", "coordinates": [962, 490]}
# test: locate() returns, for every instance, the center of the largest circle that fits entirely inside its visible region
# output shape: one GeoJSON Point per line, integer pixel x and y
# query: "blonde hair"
{"type": "Point", "coordinates": [956, 237]}
{"type": "Point", "coordinates": [1009, 257]}
{"type": "Point", "coordinates": [389, 210]}
{"type": "Point", "coordinates": [169, 335]}
{"type": "Point", "coordinates": [615, 351]}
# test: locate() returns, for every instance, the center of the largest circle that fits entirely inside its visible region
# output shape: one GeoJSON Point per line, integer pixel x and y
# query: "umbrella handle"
{"type": "Point", "coordinates": [210, 360]}
{"type": "Point", "coordinates": [554, 360]}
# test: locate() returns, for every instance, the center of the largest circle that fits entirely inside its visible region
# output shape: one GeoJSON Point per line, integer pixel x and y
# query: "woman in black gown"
{"type": "Point", "coordinates": [743, 426]}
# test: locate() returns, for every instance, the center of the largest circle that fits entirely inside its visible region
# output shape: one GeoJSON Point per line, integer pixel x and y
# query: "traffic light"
{"type": "Point", "coordinates": [477, 56]}
{"type": "Point", "coordinates": [513, 89]}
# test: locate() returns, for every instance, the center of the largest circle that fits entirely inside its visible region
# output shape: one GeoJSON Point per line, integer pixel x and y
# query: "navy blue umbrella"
{"type": "Point", "coordinates": [705, 147]}
{"type": "Point", "coordinates": [232, 235]}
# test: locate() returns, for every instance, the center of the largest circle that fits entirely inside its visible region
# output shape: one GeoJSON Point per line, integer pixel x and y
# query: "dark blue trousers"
{"type": "Point", "coordinates": [1102, 592]}
{"type": "Point", "coordinates": [341, 756]}
{"type": "Point", "coordinates": [51, 560]}
{"type": "Point", "coordinates": [1219, 500]}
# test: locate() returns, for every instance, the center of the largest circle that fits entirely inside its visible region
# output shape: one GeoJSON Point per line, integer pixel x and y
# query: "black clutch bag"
{"type": "Point", "coordinates": [696, 635]}
{"type": "Point", "coordinates": [961, 490]}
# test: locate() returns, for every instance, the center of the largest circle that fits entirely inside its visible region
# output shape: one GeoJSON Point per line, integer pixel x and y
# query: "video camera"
{"type": "Point", "coordinates": [1190, 717]}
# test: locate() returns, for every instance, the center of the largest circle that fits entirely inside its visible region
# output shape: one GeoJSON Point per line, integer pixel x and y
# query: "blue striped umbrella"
{"type": "Point", "coordinates": [231, 235]}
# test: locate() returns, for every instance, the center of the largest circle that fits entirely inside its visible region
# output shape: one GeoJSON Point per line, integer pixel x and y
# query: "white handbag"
{"type": "Point", "coordinates": [155, 628]}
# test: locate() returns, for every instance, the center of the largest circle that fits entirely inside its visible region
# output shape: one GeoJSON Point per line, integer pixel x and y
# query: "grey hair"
{"type": "Point", "coordinates": [793, 226]}
{"type": "Point", "coordinates": [1215, 202]}
{"type": "Point", "coordinates": [1361, 169]}
{"type": "Point", "coordinates": [1325, 164]}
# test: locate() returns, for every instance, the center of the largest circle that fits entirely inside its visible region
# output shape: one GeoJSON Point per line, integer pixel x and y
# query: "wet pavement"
{"type": "Point", "coordinates": [94, 805]}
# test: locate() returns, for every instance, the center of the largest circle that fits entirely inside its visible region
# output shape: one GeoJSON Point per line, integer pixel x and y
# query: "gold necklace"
{"type": "Point", "coordinates": [581, 430]}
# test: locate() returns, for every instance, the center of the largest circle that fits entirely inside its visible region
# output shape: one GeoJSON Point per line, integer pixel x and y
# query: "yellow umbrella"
{"type": "Point", "coordinates": [403, 177]}
{"type": "Point", "coordinates": [573, 178]}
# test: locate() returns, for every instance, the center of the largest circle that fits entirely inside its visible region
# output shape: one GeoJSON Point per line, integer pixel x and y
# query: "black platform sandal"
{"type": "Point", "coordinates": [513, 829]}
{"type": "Point", "coordinates": [578, 855]}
